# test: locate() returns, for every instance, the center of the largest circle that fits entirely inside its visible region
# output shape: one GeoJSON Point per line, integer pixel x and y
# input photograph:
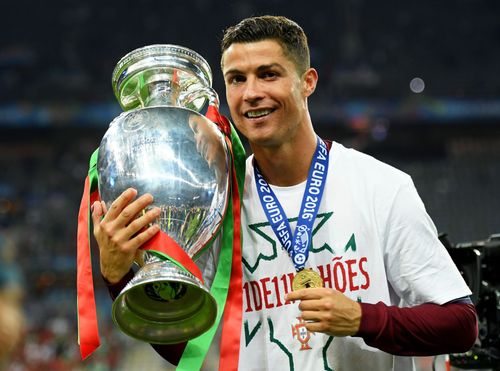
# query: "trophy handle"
{"type": "Point", "coordinates": [189, 98]}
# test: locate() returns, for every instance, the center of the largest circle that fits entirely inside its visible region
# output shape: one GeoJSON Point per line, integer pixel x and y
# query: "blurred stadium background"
{"type": "Point", "coordinates": [416, 84]}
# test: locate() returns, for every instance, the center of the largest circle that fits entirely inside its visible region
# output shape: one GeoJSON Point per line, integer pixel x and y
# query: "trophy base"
{"type": "Point", "coordinates": [163, 304]}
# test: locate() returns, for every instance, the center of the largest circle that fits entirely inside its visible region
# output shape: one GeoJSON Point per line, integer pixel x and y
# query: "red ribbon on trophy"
{"type": "Point", "coordinates": [88, 332]}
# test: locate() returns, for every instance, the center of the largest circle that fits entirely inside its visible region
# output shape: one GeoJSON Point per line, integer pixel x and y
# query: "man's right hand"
{"type": "Point", "coordinates": [122, 230]}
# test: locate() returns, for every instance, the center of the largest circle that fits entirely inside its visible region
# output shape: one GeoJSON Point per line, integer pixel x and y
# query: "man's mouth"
{"type": "Point", "coordinates": [258, 113]}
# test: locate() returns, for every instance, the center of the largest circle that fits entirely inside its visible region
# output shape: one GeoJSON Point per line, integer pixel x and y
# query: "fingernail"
{"type": "Point", "coordinates": [92, 208]}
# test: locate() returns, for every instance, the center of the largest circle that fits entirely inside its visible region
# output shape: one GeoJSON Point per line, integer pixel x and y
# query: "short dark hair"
{"type": "Point", "coordinates": [286, 32]}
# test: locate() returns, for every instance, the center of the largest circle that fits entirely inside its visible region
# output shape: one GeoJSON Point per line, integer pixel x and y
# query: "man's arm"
{"type": "Point", "coordinates": [426, 329]}
{"type": "Point", "coordinates": [423, 330]}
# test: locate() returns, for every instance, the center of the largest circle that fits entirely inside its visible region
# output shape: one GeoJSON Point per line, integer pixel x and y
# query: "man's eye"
{"type": "Point", "coordinates": [236, 79]}
{"type": "Point", "coordinates": [269, 75]}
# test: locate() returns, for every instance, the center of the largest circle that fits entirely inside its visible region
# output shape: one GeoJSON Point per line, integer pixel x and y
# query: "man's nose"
{"type": "Point", "coordinates": [252, 90]}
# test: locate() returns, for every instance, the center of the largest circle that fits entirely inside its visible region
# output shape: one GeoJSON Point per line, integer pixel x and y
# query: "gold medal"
{"type": "Point", "coordinates": [306, 279]}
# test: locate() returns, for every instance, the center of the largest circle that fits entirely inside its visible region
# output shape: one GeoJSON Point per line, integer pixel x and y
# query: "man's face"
{"type": "Point", "coordinates": [265, 94]}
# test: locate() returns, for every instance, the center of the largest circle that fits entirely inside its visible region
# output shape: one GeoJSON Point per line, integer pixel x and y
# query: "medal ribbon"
{"type": "Point", "coordinates": [298, 245]}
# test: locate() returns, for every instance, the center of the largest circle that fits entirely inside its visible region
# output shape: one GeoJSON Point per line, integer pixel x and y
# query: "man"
{"type": "Point", "coordinates": [315, 214]}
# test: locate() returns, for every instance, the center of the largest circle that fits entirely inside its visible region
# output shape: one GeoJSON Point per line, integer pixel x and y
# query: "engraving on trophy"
{"type": "Point", "coordinates": [135, 121]}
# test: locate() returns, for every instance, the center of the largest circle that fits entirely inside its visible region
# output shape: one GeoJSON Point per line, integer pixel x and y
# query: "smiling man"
{"type": "Point", "coordinates": [342, 266]}
{"type": "Point", "coordinates": [387, 286]}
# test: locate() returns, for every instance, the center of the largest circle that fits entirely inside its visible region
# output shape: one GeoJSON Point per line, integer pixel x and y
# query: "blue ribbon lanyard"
{"type": "Point", "coordinates": [298, 245]}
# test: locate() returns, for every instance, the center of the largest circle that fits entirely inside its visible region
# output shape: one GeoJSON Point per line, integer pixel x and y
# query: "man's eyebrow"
{"type": "Point", "coordinates": [269, 66]}
{"type": "Point", "coordinates": [235, 71]}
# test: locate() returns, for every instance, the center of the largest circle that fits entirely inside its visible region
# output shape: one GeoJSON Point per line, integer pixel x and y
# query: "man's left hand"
{"type": "Point", "coordinates": [328, 311]}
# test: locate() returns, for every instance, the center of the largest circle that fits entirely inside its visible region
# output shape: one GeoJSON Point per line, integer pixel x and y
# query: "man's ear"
{"type": "Point", "coordinates": [309, 80]}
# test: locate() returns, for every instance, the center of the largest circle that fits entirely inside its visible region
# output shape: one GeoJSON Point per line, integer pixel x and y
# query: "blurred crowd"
{"type": "Point", "coordinates": [66, 50]}
{"type": "Point", "coordinates": [40, 189]}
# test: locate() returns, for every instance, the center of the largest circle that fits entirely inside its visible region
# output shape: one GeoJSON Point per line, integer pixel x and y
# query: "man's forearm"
{"type": "Point", "coordinates": [423, 330]}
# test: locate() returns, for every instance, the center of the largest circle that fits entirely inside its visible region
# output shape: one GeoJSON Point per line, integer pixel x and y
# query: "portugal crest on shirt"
{"type": "Point", "coordinates": [302, 334]}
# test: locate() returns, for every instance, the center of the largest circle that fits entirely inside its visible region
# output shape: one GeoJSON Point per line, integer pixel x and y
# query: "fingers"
{"type": "Point", "coordinates": [325, 303]}
{"type": "Point", "coordinates": [138, 225]}
{"type": "Point", "coordinates": [121, 230]}
{"type": "Point", "coordinates": [314, 326]}
{"type": "Point", "coordinates": [121, 203]}
{"type": "Point", "coordinates": [124, 210]}
{"type": "Point", "coordinates": [133, 209]}
{"type": "Point", "coordinates": [328, 311]}
{"type": "Point", "coordinates": [104, 208]}
{"type": "Point", "coordinates": [97, 214]}
{"type": "Point", "coordinates": [310, 305]}
{"type": "Point", "coordinates": [123, 224]}
{"type": "Point", "coordinates": [311, 318]}
{"type": "Point", "coordinates": [144, 236]}
{"type": "Point", "coordinates": [97, 210]}
{"type": "Point", "coordinates": [306, 294]}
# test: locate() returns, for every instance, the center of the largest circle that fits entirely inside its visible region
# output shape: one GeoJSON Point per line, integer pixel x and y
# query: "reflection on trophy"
{"type": "Point", "coordinates": [162, 145]}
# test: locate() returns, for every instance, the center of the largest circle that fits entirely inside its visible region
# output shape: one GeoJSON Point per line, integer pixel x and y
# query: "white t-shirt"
{"type": "Point", "coordinates": [372, 240]}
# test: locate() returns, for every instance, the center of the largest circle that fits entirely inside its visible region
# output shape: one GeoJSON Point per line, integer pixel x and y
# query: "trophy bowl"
{"type": "Point", "coordinates": [163, 145]}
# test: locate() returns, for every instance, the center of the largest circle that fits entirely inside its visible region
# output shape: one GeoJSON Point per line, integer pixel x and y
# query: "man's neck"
{"type": "Point", "coordinates": [287, 164]}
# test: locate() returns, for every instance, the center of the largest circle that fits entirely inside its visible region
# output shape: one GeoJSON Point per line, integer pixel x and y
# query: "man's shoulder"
{"type": "Point", "coordinates": [365, 166]}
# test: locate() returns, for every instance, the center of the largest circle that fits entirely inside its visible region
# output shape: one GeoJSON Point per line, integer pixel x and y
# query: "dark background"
{"type": "Point", "coordinates": [56, 100]}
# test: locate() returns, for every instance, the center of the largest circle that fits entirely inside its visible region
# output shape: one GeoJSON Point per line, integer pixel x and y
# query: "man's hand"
{"type": "Point", "coordinates": [120, 231]}
{"type": "Point", "coordinates": [328, 311]}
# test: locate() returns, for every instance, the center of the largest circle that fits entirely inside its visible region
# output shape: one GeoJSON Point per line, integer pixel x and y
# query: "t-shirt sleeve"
{"type": "Point", "coordinates": [419, 268]}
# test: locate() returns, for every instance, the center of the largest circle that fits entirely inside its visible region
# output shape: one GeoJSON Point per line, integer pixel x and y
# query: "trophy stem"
{"type": "Point", "coordinates": [161, 93]}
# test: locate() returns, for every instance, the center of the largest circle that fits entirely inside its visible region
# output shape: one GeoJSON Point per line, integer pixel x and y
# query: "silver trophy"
{"type": "Point", "coordinates": [162, 145]}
